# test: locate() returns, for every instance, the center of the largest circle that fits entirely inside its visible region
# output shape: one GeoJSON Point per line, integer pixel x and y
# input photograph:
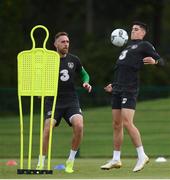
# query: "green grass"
{"type": "Point", "coordinates": [152, 119]}
{"type": "Point", "coordinates": [90, 168]}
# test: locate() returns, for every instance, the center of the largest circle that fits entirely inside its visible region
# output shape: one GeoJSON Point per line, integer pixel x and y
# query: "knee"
{"type": "Point", "coordinates": [127, 123]}
{"type": "Point", "coordinates": [47, 127]}
{"type": "Point", "coordinates": [117, 125]}
{"type": "Point", "coordinates": [79, 126]}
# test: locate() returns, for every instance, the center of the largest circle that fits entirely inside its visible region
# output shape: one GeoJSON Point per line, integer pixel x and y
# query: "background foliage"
{"type": "Point", "coordinates": [89, 23]}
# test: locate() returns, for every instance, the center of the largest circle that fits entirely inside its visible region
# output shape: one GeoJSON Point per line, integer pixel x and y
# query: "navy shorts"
{"type": "Point", "coordinates": [62, 112]}
{"type": "Point", "coordinates": [123, 99]}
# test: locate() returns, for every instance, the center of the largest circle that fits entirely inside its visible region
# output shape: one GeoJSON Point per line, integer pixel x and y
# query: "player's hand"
{"type": "Point", "coordinates": [149, 60]}
{"type": "Point", "coordinates": [87, 86]}
{"type": "Point", "coordinates": [108, 88]}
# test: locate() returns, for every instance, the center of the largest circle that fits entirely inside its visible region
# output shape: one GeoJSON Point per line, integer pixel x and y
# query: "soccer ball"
{"type": "Point", "coordinates": [119, 37]}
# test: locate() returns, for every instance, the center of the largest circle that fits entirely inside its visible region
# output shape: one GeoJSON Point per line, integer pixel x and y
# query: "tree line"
{"type": "Point", "coordinates": [89, 24]}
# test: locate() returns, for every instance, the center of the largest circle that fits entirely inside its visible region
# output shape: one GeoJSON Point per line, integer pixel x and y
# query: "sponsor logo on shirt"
{"type": "Point", "coordinates": [71, 65]}
{"type": "Point", "coordinates": [153, 48]}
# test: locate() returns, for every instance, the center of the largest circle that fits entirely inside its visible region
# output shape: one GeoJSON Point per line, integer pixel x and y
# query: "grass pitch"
{"type": "Point", "coordinates": [86, 168]}
{"type": "Point", "coordinates": [152, 119]}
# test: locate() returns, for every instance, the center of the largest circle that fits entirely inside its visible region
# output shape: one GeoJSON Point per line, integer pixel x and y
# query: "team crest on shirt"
{"type": "Point", "coordinates": [71, 65]}
{"type": "Point", "coordinates": [134, 46]}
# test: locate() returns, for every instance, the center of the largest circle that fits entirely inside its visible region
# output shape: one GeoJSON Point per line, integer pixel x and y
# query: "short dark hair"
{"type": "Point", "coordinates": [141, 24]}
{"type": "Point", "coordinates": [61, 34]}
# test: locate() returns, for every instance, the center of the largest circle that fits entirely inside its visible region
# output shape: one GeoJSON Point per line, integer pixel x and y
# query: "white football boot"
{"type": "Point", "coordinates": [141, 163]}
{"type": "Point", "coordinates": [111, 164]}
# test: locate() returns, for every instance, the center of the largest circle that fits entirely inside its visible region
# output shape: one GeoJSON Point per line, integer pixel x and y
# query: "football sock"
{"type": "Point", "coordinates": [72, 155]}
{"type": "Point", "coordinates": [140, 152]}
{"type": "Point", "coordinates": [116, 155]}
{"type": "Point", "coordinates": [43, 160]}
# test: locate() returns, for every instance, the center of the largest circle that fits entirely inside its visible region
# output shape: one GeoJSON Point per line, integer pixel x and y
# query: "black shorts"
{"type": "Point", "coordinates": [123, 99]}
{"type": "Point", "coordinates": [62, 112]}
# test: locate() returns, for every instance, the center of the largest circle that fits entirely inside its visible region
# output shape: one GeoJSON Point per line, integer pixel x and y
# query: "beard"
{"type": "Point", "coordinates": [64, 51]}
